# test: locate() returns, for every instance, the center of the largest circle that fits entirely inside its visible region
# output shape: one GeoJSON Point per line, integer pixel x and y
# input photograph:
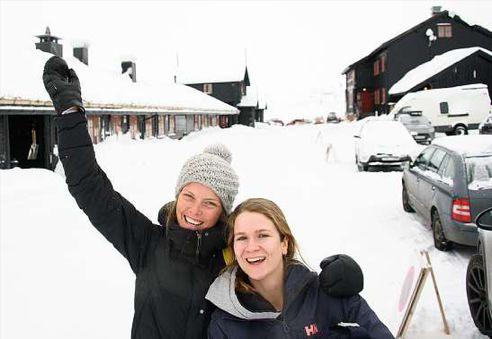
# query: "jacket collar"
{"type": "Point", "coordinates": [197, 247]}
{"type": "Point", "coordinates": [222, 292]}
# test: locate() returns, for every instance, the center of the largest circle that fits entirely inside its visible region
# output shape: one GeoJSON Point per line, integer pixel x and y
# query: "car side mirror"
{"type": "Point", "coordinates": [484, 220]}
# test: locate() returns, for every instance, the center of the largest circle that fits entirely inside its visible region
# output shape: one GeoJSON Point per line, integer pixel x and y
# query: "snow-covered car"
{"type": "Point", "coordinates": [479, 276]}
{"type": "Point", "coordinates": [418, 125]}
{"type": "Point", "coordinates": [449, 184]}
{"type": "Point", "coordinates": [383, 143]}
{"type": "Point", "coordinates": [486, 126]}
{"type": "Point", "coordinates": [332, 118]}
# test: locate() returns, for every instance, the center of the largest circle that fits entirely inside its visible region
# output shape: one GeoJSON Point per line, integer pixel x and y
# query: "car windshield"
{"type": "Point", "coordinates": [407, 119]}
{"type": "Point", "coordinates": [479, 172]}
{"type": "Point", "coordinates": [385, 131]}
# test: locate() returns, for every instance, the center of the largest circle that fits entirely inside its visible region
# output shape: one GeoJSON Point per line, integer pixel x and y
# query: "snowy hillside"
{"type": "Point", "coordinates": [60, 279]}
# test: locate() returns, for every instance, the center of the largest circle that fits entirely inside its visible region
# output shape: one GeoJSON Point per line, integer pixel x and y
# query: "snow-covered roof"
{"type": "Point", "coordinates": [428, 69]}
{"type": "Point", "coordinates": [466, 144]}
{"type": "Point", "coordinates": [250, 99]}
{"type": "Point", "coordinates": [21, 84]}
{"type": "Point", "coordinates": [227, 71]}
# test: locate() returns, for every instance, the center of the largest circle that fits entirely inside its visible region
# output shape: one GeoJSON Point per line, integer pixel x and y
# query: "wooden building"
{"type": "Point", "coordinates": [227, 84]}
{"type": "Point", "coordinates": [458, 67]}
{"type": "Point", "coordinates": [369, 79]}
{"type": "Point", "coordinates": [114, 105]}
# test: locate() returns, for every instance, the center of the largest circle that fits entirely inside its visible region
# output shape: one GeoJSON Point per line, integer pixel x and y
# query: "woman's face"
{"type": "Point", "coordinates": [198, 207]}
{"type": "Point", "coordinates": [258, 248]}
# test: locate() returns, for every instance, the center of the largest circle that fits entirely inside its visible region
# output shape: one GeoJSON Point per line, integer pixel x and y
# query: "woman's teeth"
{"type": "Point", "coordinates": [192, 221]}
{"type": "Point", "coordinates": [255, 260]}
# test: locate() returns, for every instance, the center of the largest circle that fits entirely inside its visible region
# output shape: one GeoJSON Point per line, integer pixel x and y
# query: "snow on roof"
{"type": "Point", "coordinates": [251, 97]}
{"type": "Point", "coordinates": [21, 79]}
{"type": "Point", "coordinates": [466, 144]}
{"type": "Point", "coordinates": [428, 69]}
{"type": "Point", "coordinates": [227, 71]}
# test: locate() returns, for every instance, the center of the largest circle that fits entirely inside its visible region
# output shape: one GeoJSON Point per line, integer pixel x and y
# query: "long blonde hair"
{"type": "Point", "coordinates": [270, 210]}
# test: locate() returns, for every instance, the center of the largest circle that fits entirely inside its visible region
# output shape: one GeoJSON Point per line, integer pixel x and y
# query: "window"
{"type": "Point", "coordinates": [376, 67]}
{"type": "Point", "coordinates": [207, 88]}
{"type": "Point", "coordinates": [444, 107]}
{"type": "Point", "coordinates": [383, 95]}
{"type": "Point", "coordinates": [449, 170]}
{"type": "Point", "coordinates": [383, 62]}
{"type": "Point", "coordinates": [436, 160]}
{"type": "Point", "coordinates": [444, 30]}
{"type": "Point", "coordinates": [376, 97]}
{"type": "Point", "coordinates": [423, 159]}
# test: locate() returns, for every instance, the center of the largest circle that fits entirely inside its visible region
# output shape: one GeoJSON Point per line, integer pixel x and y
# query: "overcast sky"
{"type": "Point", "coordinates": [295, 51]}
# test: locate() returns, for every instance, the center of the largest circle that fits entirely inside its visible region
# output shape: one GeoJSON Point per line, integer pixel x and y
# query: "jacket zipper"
{"type": "Point", "coordinates": [198, 245]}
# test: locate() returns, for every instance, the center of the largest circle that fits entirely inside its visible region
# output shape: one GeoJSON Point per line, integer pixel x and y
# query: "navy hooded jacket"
{"type": "Point", "coordinates": [308, 312]}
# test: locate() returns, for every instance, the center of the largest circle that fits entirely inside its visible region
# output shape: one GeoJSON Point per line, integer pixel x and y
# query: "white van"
{"type": "Point", "coordinates": [453, 110]}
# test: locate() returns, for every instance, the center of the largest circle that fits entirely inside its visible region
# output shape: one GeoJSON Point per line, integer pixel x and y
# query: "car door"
{"type": "Point", "coordinates": [416, 172]}
{"type": "Point", "coordinates": [428, 182]}
{"type": "Point", "coordinates": [445, 188]}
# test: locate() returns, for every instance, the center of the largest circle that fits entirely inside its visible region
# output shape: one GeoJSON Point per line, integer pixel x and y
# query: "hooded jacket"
{"type": "Point", "coordinates": [173, 266]}
{"type": "Point", "coordinates": [307, 311]}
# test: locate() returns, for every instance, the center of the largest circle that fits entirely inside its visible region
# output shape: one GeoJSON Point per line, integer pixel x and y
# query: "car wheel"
{"type": "Point", "coordinates": [440, 241]}
{"type": "Point", "coordinates": [460, 130]}
{"type": "Point", "coordinates": [404, 199]}
{"type": "Point", "coordinates": [360, 166]}
{"type": "Point", "coordinates": [476, 291]}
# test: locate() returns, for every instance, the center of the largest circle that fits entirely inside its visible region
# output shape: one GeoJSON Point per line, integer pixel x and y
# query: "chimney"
{"type": "Point", "coordinates": [126, 65]}
{"type": "Point", "coordinates": [49, 43]}
{"type": "Point", "coordinates": [82, 53]}
{"type": "Point", "coordinates": [435, 10]}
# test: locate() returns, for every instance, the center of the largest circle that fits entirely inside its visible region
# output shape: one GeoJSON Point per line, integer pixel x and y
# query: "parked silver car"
{"type": "Point", "coordinates": [449, 184]}
{"type": "Point", "coordinates": [479, 276]}
{"type": "Point", "coordinates": [418, 125]}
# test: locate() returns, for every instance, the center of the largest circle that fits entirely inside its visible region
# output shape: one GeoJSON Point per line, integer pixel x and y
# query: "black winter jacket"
{"type": "Point", "coordinates": [307, 312]}
{"type": "Point", "coordinates": [174, 267]}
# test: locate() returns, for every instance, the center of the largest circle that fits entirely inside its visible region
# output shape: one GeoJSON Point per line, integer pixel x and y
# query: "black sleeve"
{"type": "Point", "coordinates": [362, 314]}
{"type": "Point", "coordinates": [127, 229]}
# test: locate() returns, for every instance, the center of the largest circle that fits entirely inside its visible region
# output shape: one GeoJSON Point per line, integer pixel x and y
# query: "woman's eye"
{"type": "Point", "coordinates": [263, 235]}
{"type": "Point", "coordinates": [188, 196]}
{"type": "Point", "coordinates": [210, 204]}
{"type": "Point", "coordinates": [241, 238]}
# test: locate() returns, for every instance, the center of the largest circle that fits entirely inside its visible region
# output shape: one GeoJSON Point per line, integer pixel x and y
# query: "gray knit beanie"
{"type": "Point", "coordinates": [212, 168]}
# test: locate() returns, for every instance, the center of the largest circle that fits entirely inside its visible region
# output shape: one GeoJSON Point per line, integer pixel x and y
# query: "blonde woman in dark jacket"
{"type": "Point", "coordinates": [267, 293]}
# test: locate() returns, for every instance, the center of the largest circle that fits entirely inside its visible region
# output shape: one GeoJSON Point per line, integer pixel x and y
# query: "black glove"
{"type": "Point", "coordinates": [62, 84]}
{"type": "Point", "coordinates": [341, 276]}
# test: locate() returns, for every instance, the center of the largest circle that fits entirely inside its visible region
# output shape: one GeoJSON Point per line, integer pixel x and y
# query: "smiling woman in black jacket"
{"type": "Point", "coordinates": [174, 265]}
{"type": "Point", "coordinates": [267, 293]}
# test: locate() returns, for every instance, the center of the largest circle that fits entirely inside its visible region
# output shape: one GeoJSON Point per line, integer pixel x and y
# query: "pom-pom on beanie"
{"type": "Point", "coordinates": [213, 169]}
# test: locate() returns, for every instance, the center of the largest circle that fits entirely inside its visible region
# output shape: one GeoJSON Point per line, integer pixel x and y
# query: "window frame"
{"type": "Point", "coordinates": [444, 30]}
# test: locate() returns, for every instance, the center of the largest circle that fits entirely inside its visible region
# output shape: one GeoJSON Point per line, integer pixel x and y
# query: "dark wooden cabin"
{"type": "Point", "coordinates": [229, 88]}
{"type": "Point", "coordinates": [369, 79]}
{"type": "Point", "coordinates": [454, 68]}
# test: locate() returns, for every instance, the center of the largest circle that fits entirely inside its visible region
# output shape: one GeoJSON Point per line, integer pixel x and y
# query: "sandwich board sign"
{"type": "Point", "coordinates": [411, 291]}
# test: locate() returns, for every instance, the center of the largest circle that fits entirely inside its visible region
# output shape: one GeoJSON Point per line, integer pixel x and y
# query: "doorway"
{"type": "Point", "coordinates": [24, 131]}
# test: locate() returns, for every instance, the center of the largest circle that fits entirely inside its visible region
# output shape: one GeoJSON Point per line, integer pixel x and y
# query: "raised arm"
{"type": "Point", "coordinates": [117, 219]}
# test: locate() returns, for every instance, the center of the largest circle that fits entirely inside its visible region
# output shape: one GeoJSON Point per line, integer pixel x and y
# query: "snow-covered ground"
{"type": "Point", "coordinates": [60, 279]}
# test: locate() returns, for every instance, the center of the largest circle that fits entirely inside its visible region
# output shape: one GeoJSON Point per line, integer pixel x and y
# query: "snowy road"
{"type": "Point", "coordinates": [60, 279]}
